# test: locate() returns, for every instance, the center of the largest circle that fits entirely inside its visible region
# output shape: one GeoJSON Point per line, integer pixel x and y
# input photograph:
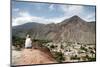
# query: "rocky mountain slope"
{"type": "Point", "coordinates": [73, 29]}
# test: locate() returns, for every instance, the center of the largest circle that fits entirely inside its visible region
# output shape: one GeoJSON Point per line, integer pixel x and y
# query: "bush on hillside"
{"type": "Point", "coordinates": [59, 56]}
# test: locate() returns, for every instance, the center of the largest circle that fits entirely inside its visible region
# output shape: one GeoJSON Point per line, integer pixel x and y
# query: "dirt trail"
{"type": "Point", "coordinates": [35, 56]}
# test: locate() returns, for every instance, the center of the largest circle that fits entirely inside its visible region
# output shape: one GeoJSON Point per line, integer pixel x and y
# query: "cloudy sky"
{"type": "Point", "coordinates": [23, 12]}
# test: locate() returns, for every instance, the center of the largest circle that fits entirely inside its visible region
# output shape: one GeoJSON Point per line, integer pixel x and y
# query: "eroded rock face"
{"type": "Point", "coordinates": [73, 29]}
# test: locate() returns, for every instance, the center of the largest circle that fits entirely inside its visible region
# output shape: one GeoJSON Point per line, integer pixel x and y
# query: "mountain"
{"type": "Point", "coordinates": [73, 29]}
{"type": "Point", "coordinates": [76, 29]}
{"type": "Point", "coordinates": [30, 27]}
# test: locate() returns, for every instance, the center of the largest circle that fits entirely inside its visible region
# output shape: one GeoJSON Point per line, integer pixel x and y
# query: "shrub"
{"type": "Point", "coordinates": [41, 41]}
{"type": "Point", "coordinates": [18, 42]}
{"type": "Point", "coordinates": [52, 46]}
{"type": "Point", "coordinates": [62, 47]}
{"type": "Point", "coordinates": [59, 56]}
{"type": "Point", "coordinates": [75, 57]}
{"type": "Point", "coordinates": [90, 58]}
{"type": "Point", "coordinates": [83, 48]}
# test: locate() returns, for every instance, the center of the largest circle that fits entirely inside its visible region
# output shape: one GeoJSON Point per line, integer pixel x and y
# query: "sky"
{"type": "Point", "coordinates": [25, 12]}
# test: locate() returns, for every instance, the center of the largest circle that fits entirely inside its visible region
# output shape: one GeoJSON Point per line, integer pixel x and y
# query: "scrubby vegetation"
{"type": "Point", "coordinates": [41, 41]}
{"type": "Point", "coordinates": [83, 48]}
{"type": "Point", "coordinates": [59, 56]}
{"type": "Point", "coordinates": [90, 58]}
{"type": "Point", "coordinates": [19, 42]}
{"type": "Point", "coordinates": [75, 57]}
{"type": "Point", "coordinates": [66, 48]}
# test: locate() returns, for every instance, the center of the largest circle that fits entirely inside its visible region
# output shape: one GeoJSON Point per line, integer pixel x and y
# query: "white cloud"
{"type": "Point", "coordinates": [24, 14]}
{"type": "Point", "coordinates": [90, 17]}
{"type": "Point", "coordinates": [26, 17]}
{"type": "Point", "coordinates": [20, 20]}
{"type": "Point", "coordinates": [15, 9]}
{"type": "Point", "coordinates": [72, 10]}
{"type": "Point", "coordinates": [77, 10]}
{"type": "Point", "coordinates": [51, 7]}
{"type": "Point", "coordinates": [23, 18]}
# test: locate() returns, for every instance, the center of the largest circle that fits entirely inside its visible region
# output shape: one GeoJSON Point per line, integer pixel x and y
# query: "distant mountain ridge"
{"type": "Point", "coordinates": [73, 29]}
